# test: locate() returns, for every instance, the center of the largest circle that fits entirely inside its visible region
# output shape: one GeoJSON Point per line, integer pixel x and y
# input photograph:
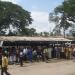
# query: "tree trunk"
{"type": "Point", "coordinates": [64, 33]}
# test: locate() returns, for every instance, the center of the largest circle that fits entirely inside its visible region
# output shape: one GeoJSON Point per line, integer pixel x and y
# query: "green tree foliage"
{"type": "Point", "coordinates": [67, 11]}
{"type": "Point", "coordinates": [46, 34]}
{"type": "Point", "coordinates": [56, 19]}
{"type": "Point", "coordinates": [12, 14]}
{"type": "Point", "coordinates": [29, 32]}
{"type": "Point", "coordinates": [12, 33]}
{"type": "Point", "coordinates": [32, 32]}
{"type": "Point", "coordinates": [57, 31]}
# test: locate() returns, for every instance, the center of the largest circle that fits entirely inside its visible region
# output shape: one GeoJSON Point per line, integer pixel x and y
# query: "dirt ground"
{"type": "Point", "coordinates": [41, 68]}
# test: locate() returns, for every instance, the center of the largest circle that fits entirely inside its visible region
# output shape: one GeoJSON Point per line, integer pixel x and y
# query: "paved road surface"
{"type": "Point", "coordinates": [42, 68]}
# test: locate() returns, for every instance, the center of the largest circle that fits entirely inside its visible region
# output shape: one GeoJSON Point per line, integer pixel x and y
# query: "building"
{"type": "Point", "coordinates": [32, 41]}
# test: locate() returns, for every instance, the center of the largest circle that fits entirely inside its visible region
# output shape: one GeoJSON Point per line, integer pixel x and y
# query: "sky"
{"type": "Point", "coordinates": [40, 10]}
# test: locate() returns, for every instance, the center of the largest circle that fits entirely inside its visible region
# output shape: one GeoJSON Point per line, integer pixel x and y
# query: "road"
{"type": "Point", "coordinates": [41, 68]}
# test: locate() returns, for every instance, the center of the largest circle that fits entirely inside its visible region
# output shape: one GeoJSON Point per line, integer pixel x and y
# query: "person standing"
{"type": "Point", "coordinates": [62, 53]}
{"type": "Point", "coordinates": [45, 52]}
{"type": "Point", "coordinates": [17, 55]}
{"type": "Point", "coordinates": [34, 55]}
{"type": "Point", "coordinates": [4, 65]}
{"type": "Point", "coordinates": [39, 53]}
{"type": "Point", "coordinates": [0, 55]}
{"type": "Point", "coordinates": [21, 58]}
{"type": "Point", "coordinates": [69, 53]}
{"type": "Point", "coordinates": [29, 54]}
{"type": "Point", "coordinates": [25, 54]}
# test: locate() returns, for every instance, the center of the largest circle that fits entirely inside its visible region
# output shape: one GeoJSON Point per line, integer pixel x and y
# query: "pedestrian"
{"type": "Point", "coordinates": [73, 53]}
{"type": "Point", "coordinates": [0, 55]}
{"type": "Point", "coordinates": [69, 53]}
{"type": "Point", "coordinates": [4, 66]}
{"type": "Point", "coordinates": [21, 58]}
{"type": "Point", "coordinates": [25, 54]}
{"type": "Point", "coordinates": [34, 55]}
{"type": "Point", "coordinates": [17, 55]}
{"type": "Point", "coordinates": [45, 52]}
{"type": "Point", "coordinates": [29, 54]}
{"type": "Point", "coordinates": [39, 53]}
{"type": "Point", "coordinates": [62, 53]}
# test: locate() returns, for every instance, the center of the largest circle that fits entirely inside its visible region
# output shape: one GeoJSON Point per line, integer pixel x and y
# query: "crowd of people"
{"type": "Point", "coordinates": [35, 54]}
{"type": "Point", "coordinates": [28, 54]}
{"type": "Point", "coordinates": [18, 55]}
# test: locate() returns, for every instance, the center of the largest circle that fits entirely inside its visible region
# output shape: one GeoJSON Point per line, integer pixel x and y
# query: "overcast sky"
{"type": "Point", "coordinates": [40, 10]}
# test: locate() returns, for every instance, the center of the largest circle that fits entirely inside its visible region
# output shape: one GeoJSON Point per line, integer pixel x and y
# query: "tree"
{"type": "Point", "coordinates": [28, 32]}
{"type": "Point", "coordinates": [65, 24]}
{"type": "Point", "coordinates": [46, 34]}
{"type": "Point", "coordinates": [32, 32]}
{"type": "Point", "coordinates": [53, 17]}
{"type": "Point", "coordinates": [72, 30]}
{"type": "Point", "coordinates": [51, 34]}
{"type": "Point", "coordinates": [14, 15]}
{"type": "Point", "coordinates": [41, 34]}
{"type": "Point", "coordinates": [67, 11]}
{"type": "Point", "coordinates": [57, 31]}
{"type": "Point", "coordinates": [12, 33]}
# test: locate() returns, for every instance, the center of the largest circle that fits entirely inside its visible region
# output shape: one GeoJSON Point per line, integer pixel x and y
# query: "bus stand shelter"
{"type": "Point", "coordinates": [32, 41]}
{"type": "Point", "coordinates": [49, 42]}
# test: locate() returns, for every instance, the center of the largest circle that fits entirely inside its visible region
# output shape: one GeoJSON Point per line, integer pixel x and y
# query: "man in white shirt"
{"type": "Point", "coordinates": [25, 53]}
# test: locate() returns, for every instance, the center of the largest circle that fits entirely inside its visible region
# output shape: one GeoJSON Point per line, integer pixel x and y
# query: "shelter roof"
{"type": "Point", "coordinates": [24, 38]}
